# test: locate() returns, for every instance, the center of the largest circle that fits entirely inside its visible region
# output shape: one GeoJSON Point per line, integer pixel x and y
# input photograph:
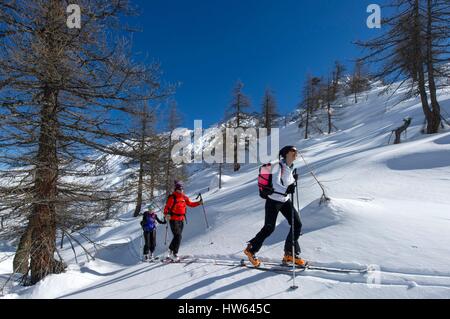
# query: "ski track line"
{"type": "Point", "coordinates": [383, 270]}
{"type": "Point", "coordinates": [389, 277]}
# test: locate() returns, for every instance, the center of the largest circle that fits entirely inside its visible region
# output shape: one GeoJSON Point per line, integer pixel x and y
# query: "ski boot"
{"type": "Point", "coordinates": [172, 257]}
{"type": "Point", "coordinates": [288, 259]}
{"type": "Point", "coordinates": [251, 257]}
{"type": "Point", "coordinates": [175, 258]}
{"type": "Point", "coordinates": [168, 257]}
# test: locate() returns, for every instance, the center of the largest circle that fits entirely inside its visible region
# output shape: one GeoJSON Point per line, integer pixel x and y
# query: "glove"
{"type": "Point", "coordinates": [296, 176]}
{"type": "Point", "coordinates": [290, 189]}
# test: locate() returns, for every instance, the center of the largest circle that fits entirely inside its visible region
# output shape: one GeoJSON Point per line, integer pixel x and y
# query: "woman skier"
{"type": "Point", "coordinates": [176, 209]}
{"type": "Point", "coordinates": [148, 223]}
{"type": "Point", "coordinates": [283, 185]}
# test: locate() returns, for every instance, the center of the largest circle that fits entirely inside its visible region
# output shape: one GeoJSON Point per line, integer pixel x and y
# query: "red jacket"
{"type": "Point", "coordinates": [177, 209]}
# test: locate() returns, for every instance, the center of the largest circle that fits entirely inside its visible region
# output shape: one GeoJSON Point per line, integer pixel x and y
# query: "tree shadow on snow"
{"type": "Point", "coordinates": [209, 281]}
{"type": "Point", "coordinates": [122, 278]}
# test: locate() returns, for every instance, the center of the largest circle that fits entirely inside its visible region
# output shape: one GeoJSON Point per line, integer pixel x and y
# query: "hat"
{"type": "Point", "coordinates": [285, 150]}
{"type": "Point", "coordinates": [151, 206]}
{"type": "Point", "coordinates": [178, 185]}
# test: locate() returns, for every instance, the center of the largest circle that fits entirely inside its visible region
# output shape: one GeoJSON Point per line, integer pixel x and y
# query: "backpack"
{"type": "Point", "coordinates": [173, 205]}
{"type": "Point", "coordinates": [265, 181]}
{"type": "Point", "coordinates": [148, 223]}
{"type": "Point", "coordinates": [171, 213]}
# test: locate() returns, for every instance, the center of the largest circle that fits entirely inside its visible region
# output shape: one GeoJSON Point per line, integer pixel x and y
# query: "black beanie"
{"type": "Point", "coordinates": [285, 150]}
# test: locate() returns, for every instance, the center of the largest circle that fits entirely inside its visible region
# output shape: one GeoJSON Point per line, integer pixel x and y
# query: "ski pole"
{"type": "Point", "coordinates": [206, 219]}
{"type": "Point", "coordinates": [293, 287]}
{"type": "Point", "coordinates": [298, 202]}
{"type": "Point", "coordinates": [167, 223]}
{"type": "Point", "coordinates": [204, 210]}
{"type": "Point", "coordinates": [167, 230]}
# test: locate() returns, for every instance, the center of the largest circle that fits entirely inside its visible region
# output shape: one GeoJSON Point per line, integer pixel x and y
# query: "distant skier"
{"type": "Point", "coordinates": [176, 209]}
{"type": "Point", "coordinates": [283, 184]}
{"type": "Point", "coordinates": [148, 223]}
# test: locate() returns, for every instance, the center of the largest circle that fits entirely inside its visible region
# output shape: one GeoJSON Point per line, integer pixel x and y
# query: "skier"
{"type": "Point", "coordinates": [148, 224]}
{"type": "Point", "coordinates": [176, 209]}
{"type": "Point", "coordinates": [283, 184]}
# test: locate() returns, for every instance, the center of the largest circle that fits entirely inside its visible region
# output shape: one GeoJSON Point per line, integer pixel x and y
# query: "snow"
{"type": "Point", "coordinates": [389, 211]}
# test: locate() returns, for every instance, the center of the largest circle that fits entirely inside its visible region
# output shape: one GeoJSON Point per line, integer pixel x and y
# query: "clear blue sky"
{"type": "Point", "coordinates": [208, 45]}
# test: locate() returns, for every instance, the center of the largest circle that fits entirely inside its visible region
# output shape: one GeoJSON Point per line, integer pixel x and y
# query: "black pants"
{"type": "Point", "coordinates": [150, 241]}
{"type": "Point", "coordinates": [177, 229]}
{"type": "Point", "coordinates": [272, 209]}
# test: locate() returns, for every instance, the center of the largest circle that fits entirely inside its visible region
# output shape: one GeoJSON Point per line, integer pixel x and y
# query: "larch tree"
{"type": "Point", "coordinates": [62, 93]}
{"type": "Point", "coordinates": [359, 81]}
{"type": "Point", "coordinates": [239, 104]}
{"type": "Point", "coordinates": [414, 51]}
{"type": "Point", "coordinates": [269, 110]}
{"type": "Point", "coordinates": [171, 170]}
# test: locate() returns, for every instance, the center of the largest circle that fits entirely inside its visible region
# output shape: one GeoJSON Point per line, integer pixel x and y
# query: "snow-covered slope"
{"type": "Point", "coordinates": [389, 208]}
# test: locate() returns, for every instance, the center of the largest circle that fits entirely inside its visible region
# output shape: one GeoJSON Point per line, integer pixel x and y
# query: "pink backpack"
{"type": "Point", "coordinates": [265, 181]}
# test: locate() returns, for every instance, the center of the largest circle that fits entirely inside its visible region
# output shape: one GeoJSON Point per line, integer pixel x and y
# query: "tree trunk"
{"type": "Point", "coordinates": [307, 123]}
{"type": "Point", "coordinates": [329, 117]}
{"type": "Point", "coordinates": [61, 246]}
{"type": "Point", "coordinates": [43, 217]}
{"type": "Point", "coordinates": [238, 111]}
{"type": "Point", "coordinates": [168, 166]}
{"type": "Point", "coordinates": [220, 175]}
{"type": "Point", "coordinates": [22, 256]}
{"type": "Point", "coordinates": [152, 181]}
{"type": "Point", "coordinates": [138, 208]}
{"type": "Point", "coordinates": [268, 119]}
{"type": "Point", "coordinates": [420, 69]}
{"type": "Point", "coordinates": [398, 132]}
{"type": "Point", "coordinates": [433, 125]}
{"type": "Point", "coordinates": [237, 166]}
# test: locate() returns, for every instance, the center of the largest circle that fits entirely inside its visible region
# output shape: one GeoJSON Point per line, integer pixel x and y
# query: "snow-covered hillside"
{"type": "Point", "coordinates": [389, 208]}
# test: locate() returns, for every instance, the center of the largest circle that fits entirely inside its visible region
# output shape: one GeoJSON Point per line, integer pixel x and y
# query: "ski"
{"type": "Point", "coordinates": [182, 259]}
{"type": "Point", "coordinates": [152, 260]}
{"type": "Point", "coordinates": [273, 268]}
{"type": "Point", "coordinates": [265, 265]}
{"type": "Point", "coordinates": [311, 266]}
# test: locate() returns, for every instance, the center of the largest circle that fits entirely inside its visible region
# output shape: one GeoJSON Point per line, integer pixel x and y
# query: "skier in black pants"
{"type": "Point", "coordinates": [175, 209]}
{"type": "Point", "coordinates": [283, 184]}
{"type": "Point", "coordinates": [148, 224]}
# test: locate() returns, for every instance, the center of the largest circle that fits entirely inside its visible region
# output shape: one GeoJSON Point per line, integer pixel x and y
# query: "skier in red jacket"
{"type": "Point", "coordinates": [176, 208]}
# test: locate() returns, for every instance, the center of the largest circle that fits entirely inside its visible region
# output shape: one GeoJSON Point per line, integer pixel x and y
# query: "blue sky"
{"type": "Point", "coordinates": [208, 45]}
